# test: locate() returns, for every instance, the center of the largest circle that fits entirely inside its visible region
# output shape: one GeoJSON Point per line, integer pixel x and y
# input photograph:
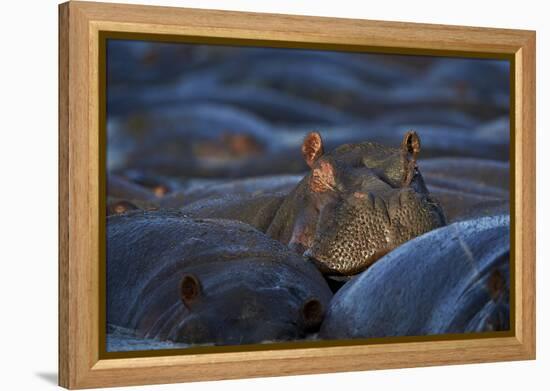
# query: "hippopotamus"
{"type": "Point", "coordinates": [207, 281]}
{"type": "Point", "coordinates": [452, 280]}
{"type": "Point", "coordinates": [356, 203]}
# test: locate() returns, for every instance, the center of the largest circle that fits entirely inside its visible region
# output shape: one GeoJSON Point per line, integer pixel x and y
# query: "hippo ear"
{"type": "Point", "coordinates": [312, 148]}
{"type": "Point", "coordinates": [161, 190]}
{"type": "Point", "coordinates": [313, 314]}
{"type": "Point", "coordinates": [410, 147]}
{"type": "Point", "coordinates": [120, 207]}
{"type": "Point", "coordinates": [411, 143]}
{"type": "Point", "coordinates": [190, 288]}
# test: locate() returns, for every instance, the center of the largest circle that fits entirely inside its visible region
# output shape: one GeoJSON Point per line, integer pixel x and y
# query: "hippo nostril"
{"type": "Point", "coordinates": [190, 288]}
{"type": "Point", "coordinates": [313, 313]}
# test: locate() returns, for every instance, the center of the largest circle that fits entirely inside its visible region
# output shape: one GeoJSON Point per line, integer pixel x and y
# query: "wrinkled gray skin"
{"type": "Point", "coordinates": [357, 203]}
{"type": "Point", "coordinates": [207, 281]}
{"type": "Point", "coordinates": [451, 280]}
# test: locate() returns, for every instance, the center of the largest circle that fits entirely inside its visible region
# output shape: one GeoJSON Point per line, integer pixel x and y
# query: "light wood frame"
{"type": "Point", "coordinates": [80, 24]}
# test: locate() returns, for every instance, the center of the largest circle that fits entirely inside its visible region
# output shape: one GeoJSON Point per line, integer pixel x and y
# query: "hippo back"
{"type": "Point", "coordinates": [452, 280]}
{"type": "Point", "coordinates": [252, 287]}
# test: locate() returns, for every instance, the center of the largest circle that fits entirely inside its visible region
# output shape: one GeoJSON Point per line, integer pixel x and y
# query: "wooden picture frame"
{"type": "Point", "coordinates": [80, 163]}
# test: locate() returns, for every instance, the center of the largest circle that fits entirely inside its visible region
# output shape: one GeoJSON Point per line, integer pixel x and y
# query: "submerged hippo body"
{"type": "Point", "coordinates": [451, 280]}
{"type": "Point", "coordinates": [467, 188]}
{"type": "Point", "coordinates": [237, 188]}
{"type": "Point", "coordinates": [357, 203]}
{"type": "Point", "coordinates": [207, 281]}
{"type": "Point", "coordinates": [122, 188]}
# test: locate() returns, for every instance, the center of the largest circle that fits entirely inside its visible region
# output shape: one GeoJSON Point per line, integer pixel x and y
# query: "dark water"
{"type": "Point", "coordinates": [198, 118]}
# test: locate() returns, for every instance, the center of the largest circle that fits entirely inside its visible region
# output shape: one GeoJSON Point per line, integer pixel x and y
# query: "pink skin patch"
{"type": "Point", "coordinates": [303, 233]}
{"type": "Point", "coordinates": [322, 178]}
{"type": "Point", "coordinates": [300, 241]}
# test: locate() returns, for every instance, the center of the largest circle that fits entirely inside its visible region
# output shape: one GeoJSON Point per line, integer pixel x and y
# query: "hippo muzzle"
{"type": "Point", "coordinates": [352, 235]}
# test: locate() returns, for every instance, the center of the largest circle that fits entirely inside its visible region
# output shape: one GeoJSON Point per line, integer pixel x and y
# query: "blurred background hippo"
{"type": "Point", "coordinates": [226, 112]}
{"type": "Point", "coordinates": [224, 132]}
{"type": "Point", "coordinates": [451, 280]}
{"type": "Point", "coordinates": [207, 282]}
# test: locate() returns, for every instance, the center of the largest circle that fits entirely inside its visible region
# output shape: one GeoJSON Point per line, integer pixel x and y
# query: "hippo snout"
{"type": "Point", "coordinates": [365, 227]}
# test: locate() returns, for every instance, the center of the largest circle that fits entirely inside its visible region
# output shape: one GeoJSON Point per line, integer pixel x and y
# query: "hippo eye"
{"type": "Point", "coordinates": [313, 313]}
{"type": "Point", "coordinates": [190, 289]}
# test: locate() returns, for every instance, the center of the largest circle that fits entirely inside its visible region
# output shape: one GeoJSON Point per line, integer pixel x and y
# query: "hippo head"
{"type": "Point", "coordinates": [240, 314]}
{"type": "Point", "coordinates": [359, 202]}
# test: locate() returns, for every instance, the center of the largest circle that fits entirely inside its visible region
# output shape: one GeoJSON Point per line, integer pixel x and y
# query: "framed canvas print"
{"type": "Point", "coordinates": [247, 195]}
